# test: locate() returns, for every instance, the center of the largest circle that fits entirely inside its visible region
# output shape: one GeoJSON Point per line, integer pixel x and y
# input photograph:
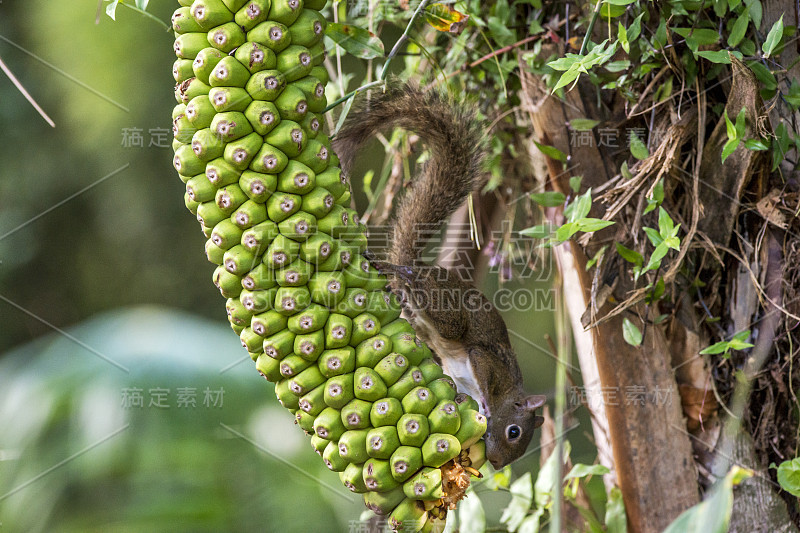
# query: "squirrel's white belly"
{"type": "Point", "coordinates": [455, 361]}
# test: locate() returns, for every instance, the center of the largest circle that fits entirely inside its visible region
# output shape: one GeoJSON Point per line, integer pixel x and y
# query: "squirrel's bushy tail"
{"type": "Point", "coordinates": [455, 139]}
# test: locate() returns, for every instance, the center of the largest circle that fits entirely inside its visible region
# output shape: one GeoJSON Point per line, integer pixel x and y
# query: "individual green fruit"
{"type": "Point", "coordinates": [257, 238]}
{"type": "Point", "coordinates": [425, 485]}
{"type": "Point", "coordinates": [292, 364]}
{"type": "Point", "coordinates": [286, 11]}
{"type": "Point", "coordinates": [310, 345]}
{"type": "Point", "coordinates": [292, 103]}
{"type": "Point", "coordinates": [306, 381]}
{"type": "Point", "coordinates": [419, 401]}
{"type": "Point", "coordinates": [266, 85]}
{"type": "Point", "coordinates": [473, 426]}
{"type": "Point", "coordinates": [382, 442]}
{"type": "Point", "coordinates": [200, 189]}
{"type": "Point", "coordinates": [405, 461]}
{"type": "Point", "coordinates": [207, 146]}
{"type": "Point", "coordinates": [226, 37]}
{"type": "Point", "coordinates": [237, 314]}
{"type": "Point", "coordinates": [226, 234]}
{"type": "Point", "coordinates": [271, 34]}
{"type": "Point", "coordinates": [386, 412]}
{"type": "Point", "coordinates": [231, 125]}
{"type": "Point", "coordinates": [295, 62]}
{"type": "Point", "coordinates": [268, 367]}
{"type": "Point", "coordinates": [443, 388]}
{"type": "Point", "coordinates": [413, 430]}
{"type": "Point", "coordinates": [257, 301]}
{"type": "Point", "coordinates": [182, 70]}
{"type": "Point", "coordinates": [372, 350]}
{"type": "Point", "coordinates": [337, 362]}
{"type": "Point", "coordinates": [337, 331]}
{"type": "Point", "coordinates": [339, 391]}
{"type": "Point", "coordinates": [408, 517]}
{"type": "Point", "coordinates": [188, 45]}
{"type": "Point", "coordinates": [304, 420]}
{"type": "Point", "coordinates": [255, 57]}
{"type": "Point", "coordinates": [428, 367]}
{"type": "Point", "coordinates": [413, 348]}
{"type": "Point", "coordinates": [382, 503]}
{"type": "Point", "coordinates": [288, 137]}
{"type": "Point", "coordinates": [396, 327]}
{"type": "Point", "coordinates": [186, 162]}
{"type": "Point", "coordinates": [229, 99]}
{"type": "Point", "coordinates": [319, 444]}
{"type": "Point", "coordinates": [391, 368]}
{"type": "Point", "coordinates": [316, 248]}
{"type": "Point", "coordinates": [281, 252]}
{"type": "Point", "coordinates": [439, 448]}
{"type": "Point", "coordinates": [183, 22]}
{"type": "Point", "coordinates": [203, 65]}
{"type": "Point", "coordinates": [234, 5]}
{"type": "Point", "coordinates": [311, 126]}
{"type": "Point", "coordinates": [290, 300]}
{"type": "Point", "coordinates": [209, 214]}
{"type": "Point", "coordinates": [285, 396]}
{"type": "Point", "coordinates": [308, 29]}
{"type": "Point", "coordinates": [230, 198]}
{"type": "Point", "coordinates": [464, 402]}
{"type": "Point", "coordinates": [315, 156]}
{"type": "Point", "coordinates": [328, 424]}
{"type": "Point", "coordinates": [220, 173]}
{"type": "Point", "coordinates": [378, 475]}
{"type": "Point", "coordinates": [353, 477]}
{"type": "Point", "coordinates": [299, 226]}
{"type": "Point", "coordinates": [444, 418]}
{"type": "Point", "coordinates": [229, 72]}
{"type": "Point", "coordinates": [258, 186]}
{"type": "Point", "coordinates": [252, 13]}
{"type": "Point", "coordinates": [327, 288]}
{"type": "Point", "coordinates": [411, 379]}
{"type": "Point", "coordinates": [355, 415]}
{"type": "Point", "coordinates": [268, 323]}
{"type": "Point", "coordinates": [365, 326]}
{"type": "Point", "coordinates": [368, 385]}
{"type": "Point", "coordinates": [333, 180]}
{"type": "Point", "coordinates": [238, 260]}
{"type": "Point", "coordinates": [269, 160]}
{"type": "Point", "coordinates": [283, 205]}
{"type": "Point", "coordinates": [263, 116]}
{"type": "Point", "coordinates": [312, 318]}
{"type": "Point", "coordinates": [477, 454]}
{"type": "Point", "coordinates": [294, 274]}
{"type": "Point", "coordinates": [332, 459]}
{"type": "Point", "coordinates": [191, 88]}
{"type": "Point", "coordinates": [279, 345]}
{"type": "Point", "coordinates": [313, 402]}
{"type": "Point", "coordinates": [249, 214]}
{"type": "Point", "coordinates": [210, 13]}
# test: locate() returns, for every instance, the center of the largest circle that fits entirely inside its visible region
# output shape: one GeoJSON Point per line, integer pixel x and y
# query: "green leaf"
{"type": "Point", "coordinates": [565, 232]}
{"type": "Point", "coordinates": [589, 225]}
{"type": "Point", "coordinates": [581, 471]}
{"type": "Point", "coordinates": [549, 198]}
{"type": "Point", "coordinates": [583, 124]}
{"type": "Point", "coordinates": [500, 479]}
{"type": "Point", "coordinates": [471, 515]}
{"type": "Point", "coordinates": [756, 145]}
{"type": "Point", "coordinates": [616, 520]}
{"type": "Point", "coordinates": [740, 124]}
{"type": "Point", "coordinates": [739, 28]}
{"type": "Point", "coordinates": [631, 256]}
{"type": "Point", "coordinates": [635, 28]}
{"type": "Point", "coordinates": [111, 9]}
{"type": "Point", "coordinates": [445, 19]}
{"type": "Point", "coordinates": [631, 333]}
{"type": "Point", "coordinates": [729, 148]}
{"type": "Point", "coordinates": [546, 481]}
{"type": "Point", "coordinates": [537, 232]}
{"type": "Point", "coordinates": [656, 257]}
{"type": "Point", "coordinates": [521, 499]}
{"type": "Point", "coordinates": [575, 183]}
{"type": "Point", "coordinates": [673, 243]}
{"type": "Point", "coordinates": [789, 476]}
{"type": "Point", "coordinates": [356, 41]}
{"type": "Point", "coordinates": [756, 11]}
{"type": "Point", "coordinates": [625, 171]}
{"type": "Point", "coordinates": [591, 262]}
{"type": "Point", "coordinates": [622, 37]}
{"type": "Point", "coordinates": [665, 224]}
{"type": "Point", "coordinates": [638, 149]}
{"type": "Point", "coordinates": [737, 342]}
{"type": "Point", "coordinates": [712, 515]}
{"type": "Point", "coordinates": [773, 38]}
{"type": "Point", "coordinates": [654, 236]}
{"type": "Point", "coordinates": [716, 56]}
{"type": "Point", "coordinates": [729, 127]}
{"type": "Point", "coordinates": [579, 207]}
{"type": "Point", "coordinates": [764, 75]}
{"type": "Point", "coordinates": [551, 152]}
{"type": "Point", "coordinates": [531, 522]}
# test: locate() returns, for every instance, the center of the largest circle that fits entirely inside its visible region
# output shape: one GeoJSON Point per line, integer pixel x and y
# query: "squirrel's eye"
{"type": "Point", "coordinates": [513, 432]}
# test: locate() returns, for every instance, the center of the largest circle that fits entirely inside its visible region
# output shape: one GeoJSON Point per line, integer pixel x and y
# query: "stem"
{"type": "Point", "coordinates": [25, 93]}
{"type": "Point", "coordinates": [563, 347]}
{"type": "Point", "coordinates": [591, 27]}
{"type": "Point", "coordinates": [352, 94]}
{"type": "Point", "coordinates": [148, 15]}
{"type": "Point", "coordinates": [403, 38]}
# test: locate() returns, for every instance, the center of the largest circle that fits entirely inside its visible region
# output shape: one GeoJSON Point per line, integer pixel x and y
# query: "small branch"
{"type": "Point", "coordinates": [403, 38]}
{"type": "Point", "coordinates": [352, 94]}
{"type": "Point", "coordinates": [591, 27]}
{"type": "Point", "coordinates": [25, 93]}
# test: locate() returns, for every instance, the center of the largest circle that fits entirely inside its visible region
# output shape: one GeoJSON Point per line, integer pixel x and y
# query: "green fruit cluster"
{"type": "Point", "coordinates": [312, 312]}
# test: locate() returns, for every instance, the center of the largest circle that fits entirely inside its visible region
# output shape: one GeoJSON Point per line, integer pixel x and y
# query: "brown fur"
{"type": "Point", "coordinates": [456, 142]}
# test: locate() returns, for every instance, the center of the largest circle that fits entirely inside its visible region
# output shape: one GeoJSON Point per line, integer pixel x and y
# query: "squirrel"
{"type": "Point", "coordinates": [470, 339]}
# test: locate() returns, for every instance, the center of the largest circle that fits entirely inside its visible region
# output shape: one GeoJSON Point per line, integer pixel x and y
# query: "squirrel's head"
{"type": "Point", "coordinates": [510, 428]}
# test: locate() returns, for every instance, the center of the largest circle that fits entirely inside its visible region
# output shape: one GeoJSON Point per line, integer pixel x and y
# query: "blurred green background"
{"type": "Point", "coordinates": [105, 291]}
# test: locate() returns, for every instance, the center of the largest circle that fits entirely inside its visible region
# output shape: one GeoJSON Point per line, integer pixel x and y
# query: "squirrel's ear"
{"type": "Point", "coordinates": [533, 402]}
